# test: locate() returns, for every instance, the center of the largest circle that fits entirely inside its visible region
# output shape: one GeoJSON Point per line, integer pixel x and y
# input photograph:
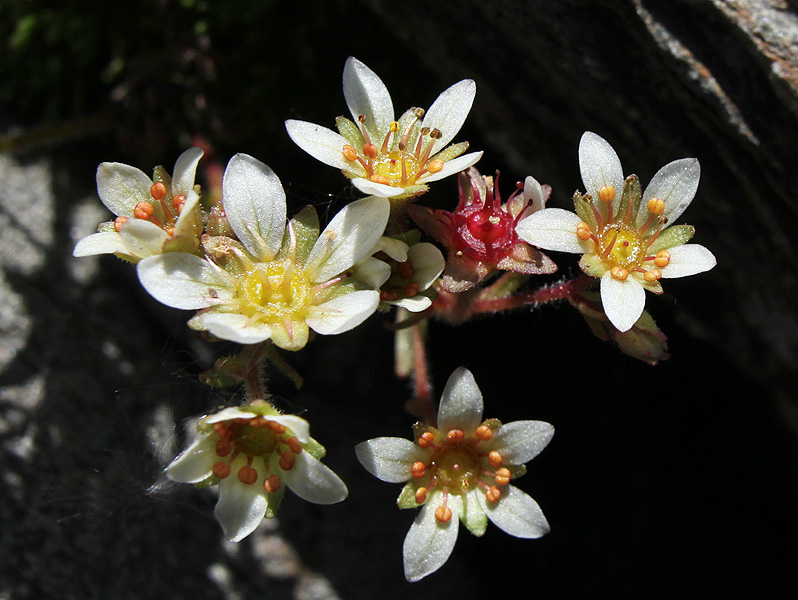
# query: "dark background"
{"type": "Point", "coordinates": [675, 479]}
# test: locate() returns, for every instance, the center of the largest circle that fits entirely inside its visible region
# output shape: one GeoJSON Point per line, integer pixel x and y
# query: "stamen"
{"type": "Point", "coordinates": [247, 475]}
{"type": "Point", "coordinates": [619, 273]}
{"type": "Point", "coordinates": [443, 513]}
{"type": "Point", "coordinates": [493, 494]}
{"type": "Point", "coordinates": [411, 289]}
{"type": "Point", "coordinates": [418, 469]}
{"type": "Point", "coordinates": [277, 427]}
{"type": "Point", "coordinates": [495, 459]}
{"type": "Point", "coordinates": [392, 128]}
{"type": "Point", "coordinates": [405, 269]}
{"type": "Point", "coordinates": [424, 131]}
{"type": "Point", "coordinates": [158, 190]}
{"type": "Point", "coordinates": [608, 249]}
{"type": "Point", "coordinates": [653, 238]}
{"type": "Point", "coordinates": [662, 259]}
{"type": "Point", "coordinates": [294, 445]}
{"type": "Point", "coordinates": [349, 152]}
{"type": "Point", "coordinates": [223, 447]}
{"type": "Point", "coordinates": [178, 201]}
{"type": "Point", "coordinates": [455, 436]}
{"type": "Point", "coordinates": [118, 222]}
{"type": "Point", "coordinates": [656, 206]}
{"type": "Point", "coordinates": [607, 193]}
{"type": "Point", "coordinates": [272, 483]}
{"type": "Point", "coordinates": [421, 495]}
{"type": "Point", "coordinates": [221, 469]}
{"type": "Point", "coordinates": [370, 150]}
{"type": "Point", "coordinates": [583, 231]}
{"type": "Point", "coordinates": [434, 166]}
{"type": "Point", "coordinates": [484, 433]}
{"type": "Point", "coordinates": [388, 296]}
{"type": "Point", "coordinates": [143, 210]}
{"type": "Point", "coordinates": [221, 429]}
{"type": "Point", "coordinates": [652, 275]}
{"type": "Point", "coordinates": [417, 115]}
{"type": "Point", "coordinates": [287, 461]}
{"type": "Point", "coordinates": [503, 476]}
{"type": "Point", "coordinates": [425, 439]}
{"type": "Point", "coordinates": [599, 219]}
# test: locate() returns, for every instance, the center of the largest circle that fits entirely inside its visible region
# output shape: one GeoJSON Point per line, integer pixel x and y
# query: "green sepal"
{"type": "Point", "coordinates": [350, 131]}
{"type": "Point", "coordinates": [452, 151]}
{"type": "Point", "coordinates": [516, 471]}
{"type": "Point", "coordinates": [592, 265]}
{"type": "Point", "coordinates": [493, 424]}
{"type": "Point", "coordinates": [474, 517]}
{"type": "Point", "coordinates": [672, 236]}
{"type": "Point", "coordinates": [209, 481]}
{"type": "Point", "coordinates": [407, 498]}
{"type": "Point", "coordinates": [273, 501]}
{"type": "Point", "coordinates": [305, 226]}
{"type": "Point", "coordinates": [182, 243]}
{"type": "Point", "coordinates": [106, 227]}
{"type": "Point", "coordinates": [584, 211]}
{"type": "Point", "coordinates": [161, 175]}
{"type": "Point", "coordinates": [631, 193]}
{"type": "Point", "coordinates": [315, 449]}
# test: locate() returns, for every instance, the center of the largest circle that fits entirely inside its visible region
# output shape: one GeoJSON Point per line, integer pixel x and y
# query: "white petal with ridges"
{"type": "Point", "coordinates": [449, 111]}
{"type": "Point", "coordinates": [183, 280]}
{"type": "Point", "coordinates": [313, 481]}
{"type": "Point", "coordinates": [343, 313]}
{"type": "Point", "coordinates": [389, 459]}
{"type": "Point", "coordinates": [372, 271]}
{"type": "Point", "coordinates": [394, 248]}
{"type": "Point", "coordinates": [623, 301]}
{"type": "Point", "coordinates": [376, 189]}
{"type": "Point", "coordinates": [676, 184]}
{"type": "Point", "coordinates": [366, 94]}
{"type": "Point", "coordinates": [348, 238]}
{"type": "Point", "coordinates": [231, 412]}
{"type": "Point", "coordinates": [107, 242]}
{"type": "Point", "coordinates": [688, 259]}
{"type": "Point", "coordinates": [429, 543]}
{"type": "Point", "coordinates": [552, 229]}
{"type": "Point", "coordinates": [461, 403]}
{"type": "Point", "coordinates": [143, 238]}
{"type": "Point", "coordinates": [121, 187]}
{"type": "Point", "coordinates": [450, 167]}
{"type": "Point", "coordinates": [428, 264]}
{"type": "Point", "coordinates": [321, 143]}
{"type": "Point", "coordinates": [240, 508]}
{"type": "Point", "coordinates": [195, 463]}
{"type": "Point", "coordinates": [298, 426]}
{"type": "Point", "coordinates": [185, 171]}
{"type": "Point", "coordinates": [189, 223]}
{"type": "Point", "coordinates": [516, 513]}
{"type": "Point", "coordinates": [415, 304]}
{"type": "Point", "coordinates": [521, 441]}
{"type": "Point", "coordinates": [254, 202]}
{"type": "Point", "coordinates": [600, 166]}
{"type": "Point", "coordinates": [236, 328]}
{"type": "Point", "coordinates": [533, 192]}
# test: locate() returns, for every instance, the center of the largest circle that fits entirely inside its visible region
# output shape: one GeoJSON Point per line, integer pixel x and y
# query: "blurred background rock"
{"type": "Point", "coordinates": [659, 480]}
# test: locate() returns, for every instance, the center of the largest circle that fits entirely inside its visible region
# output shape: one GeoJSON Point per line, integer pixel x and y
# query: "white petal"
{"type": "Point", "coordinates": [414, 304]}
{"type": "Point", "coordinates": [521, 441]}
{"type": "Point", "coordinates": [376, 189]}
{"type": "Point", "coordinates": [107, 242]}
{"type": "Point", "coordinates": [366, 94]}
{"type": "Point", "coordinates": [429, 543]}
{"type": "Point", "coordinates": [143, 238]}
{"type": "Point", "coordinates": [236, 328]}
{"type": "Point", "coordinates": [449, 111]}
{"type": "Point", "coordinates": [428, 264]}
{"type": "Point", "coordinates": [121, 187]}
{"type": "Point", "coordinates": [185, 171]}
{"type": "Point", "coordinates": [254, 202]}
{"type": "Point", "coordinates": [372, 271]}
{"type": "Point", "coordinates": [195, 463]}
{"type": "Point", "coordinates": [688, 259]}
{"type": "Point", "coordinates": [182, 280]}
{"type": "Point", "coordinates": [533, 193]}
{"type": "Point", "coordinates": [312, 481]}
{"type": "Point", "coordinates": [231, 412]}
{"type": "Point", "coordinates": [349, 237]}
{"type": "Point", "coordinates": [298, 426]}
{"type": "Point", "coordinates": [321, 143]}
{"type": "Point", "coordinates": [189, 223]}
{"type": "Point", "coordinates": [516, 513]}
{"type": "Point", "coordinates": [623, 301]}
{"type": "Point", "coordinates": [389, 459]}
{"type": "Point", "coordinates": [240, 508]}
{"type": "Point", "coordinates": [394, 248]}
{"type": "Point", "coordinates": [552, 229]}
{"type": "Point", "coordinates": [600, 166]}
{"type": "Point", "coordinates": [450, 167]}
{"type": "Point", "coordinates": [461, 403]}
{"type": "Point", "coordinates": [676, 184]}
{"type": "Point", "coordinates": [343, 313]}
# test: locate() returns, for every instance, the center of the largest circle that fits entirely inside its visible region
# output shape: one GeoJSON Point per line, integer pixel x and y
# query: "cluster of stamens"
{"type": "Point", "coordinates": [620, 244]}
{"type": "Point", "coordinates": [458, 464]}
{"type": "Point", "coordinates": [393, 163]}
{"type": "Point", "coordinates": [396, 288]}
{"type": "Point", "coordinates": [146, 210]}
{"type": "Point", "coordinates": [258, 439]}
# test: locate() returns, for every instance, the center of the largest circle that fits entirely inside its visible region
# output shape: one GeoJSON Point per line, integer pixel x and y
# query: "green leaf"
{"type": "Point", "coordinates": [474, 517]}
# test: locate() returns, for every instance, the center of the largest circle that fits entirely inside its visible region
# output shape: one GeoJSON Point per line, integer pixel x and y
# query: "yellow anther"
{"type": "Point", "coordinates": [287, 461]}
{"type": "Point", "coordinates": [247, 475]}
{"type": "Point", "coordinates": [394, 126]}
{"type": "Point", "coordinates": [443, 514]}
{"type": "Point", "coordinates": [425, 439]}
{"type": "Point", "coordinates": [349, 152]}
{"type": "Point", "coordinates": [455, 435]}
{"type": "Point", "coordinates": [158, 190]}
{"type": "Point", "coordinates": [421, 495]}
{"type": "Point", "coordinates": [484, 433]}
{"type": "Point", "coordinates": [619, 273]}
{"type": "Point", "coordinates": [652, 275]}
{"type": "Point", "coordinates": [495, 459]}
{"type": "Point", "coordinates": [272, 483]}
{"type": "Point", "coordinates": [434, 166]}
{"type": "Point", "coordinates": [607, 193]}
{"type": "Point", "coordinates": [493, 494]}
{"type": "Point", "coordinates": [656, 206]}
{"type": "Point", "coordinates": [503, 476]}
{"type": "Point", "coordinates": [662, 259]}
{"type": "Point", "coordinates": [583, 231]}
{"type": "Point", "coordinates": [370, 150]}
{"type": "Point", "coordinates": [221, 469]}
{"type": "Point", "coordinates": [419, 469]}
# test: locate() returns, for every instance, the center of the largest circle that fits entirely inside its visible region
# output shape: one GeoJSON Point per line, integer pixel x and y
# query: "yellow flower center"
{"type": "Point", "coordinates": [275, 292]}
{"type": "Point", "coordinates": [622, 246]}
{"type": "Point", "coordinates": [455, 468]}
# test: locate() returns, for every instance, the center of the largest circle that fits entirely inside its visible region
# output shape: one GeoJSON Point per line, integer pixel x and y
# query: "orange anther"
{"type": "Point", "coordinates": [221, 429]}
{"type": "Point", "coordinates": [503, 476]}
{"type": "Point", "coordinates": [607, 193]}
{"type": "Point", "coordinates": [247, 475]}
{"type": "Point", "coordinates": [349, 152]}
{"type": "Point", "coordinates": [370, 150]}
{"type": "Point", "coordinates": [221, 469]}
{"type": "Point", "coordinates": [287, 461]}
{"type": "Point", "coordinates": [381, 179]}
{"type": "Point", "coordinates": [143, 210]}
{"type": "Point", "coordinates": [484, 433]}
{"type": "Point", "coordinates": [272, 483]}
{"type": "Point", "coordinates": [294, 444]}
{"type": "Point", "coordinates": [493, 494]}
{"type": "Point", "coordinates": [259, 422]}
{"type": "Point", "coordinates": [662, 259]}
{"type": "Point", "coordinates": [118, 222]}
{"type": "Point", "coordinates": [158, 190]}
{"type": "Point", "coordinates": [434, 166]}
{"type": "Point", "coordinates": [411, 289]}
{"type": "Point", "coordinates": [425, 439]}
{"type": "Point", "coordinates": [656, 206]}
{"type": "Point", "coordinates": [495, 459]}
{"type": "Point", "coordinates": [421, 495]}
{"type": "Point", "coordinates": [419, 469]}
{"type": "Point", "coordinates": [619, 273]}
{"type": "Point", "coordinates": [178, 201]}
{"type": "Point", "coordinates": [652, 275]}
{"type": "Point", "coordinates": [455, 435]}
{"type": "Point", "coordinates": [388, 296]}
{"type": "Point", "coordinates": [277, 427]}
{"type": "Point", "coordinates": [405, 269]}
{"type": "Point", "coordinates": [443, 514]}
{"type": "Point", "coordinates": [583, 231]}
{"type": "Point", "coordinates": [223, 447]}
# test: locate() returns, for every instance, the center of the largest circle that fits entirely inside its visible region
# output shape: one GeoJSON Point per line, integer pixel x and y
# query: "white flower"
{"type": "Point", "coordinates": [279, 280]}
{"type": "Point", "coordinates": [459, 471]}
{"type": "Point", "coordinates": [250, 452]}
{"type": "Point", "coordinates": [153, 215]}
{"type": "Point", "coordinates": [624, 241]}
{"type": "Point", "coordinates": [384, 157]}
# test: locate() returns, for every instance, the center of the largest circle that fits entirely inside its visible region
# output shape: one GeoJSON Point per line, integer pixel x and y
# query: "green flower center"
{"type": "Point", "coordinates": [455, 467]}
